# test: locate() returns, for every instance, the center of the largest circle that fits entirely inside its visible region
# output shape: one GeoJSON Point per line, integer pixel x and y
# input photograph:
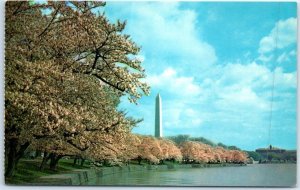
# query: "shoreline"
{"type": "Point", "coordinates": [84, 176]}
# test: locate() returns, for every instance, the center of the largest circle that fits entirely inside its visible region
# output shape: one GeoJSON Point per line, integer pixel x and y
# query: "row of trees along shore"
{"type": "Point", "coordinates": [140, 148]}
{"type": "Point", "coordinates": [66, 68]}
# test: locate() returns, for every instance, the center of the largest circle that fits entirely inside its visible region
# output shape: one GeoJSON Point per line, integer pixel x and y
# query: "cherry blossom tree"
{"type": "Point", "coordinates": [239, 156]}
{"type": "Point", "coordinates": [130, 150]}
{"type": "Point", "coordinates": [149, 149]}
{"type": "Point", "coordinates": [170, 150]}
{"type": "Point", "coordinates": [60, 69]}
{"type": "Point", "coordinates": [197, 152]}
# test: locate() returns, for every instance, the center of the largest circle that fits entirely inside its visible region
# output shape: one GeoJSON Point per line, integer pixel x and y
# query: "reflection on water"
{"type": "Point", "coordinates": [251, 175]}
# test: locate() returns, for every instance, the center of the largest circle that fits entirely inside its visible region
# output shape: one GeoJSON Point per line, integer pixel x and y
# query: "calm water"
{"type": "Point", "coordinates": [251, 175]}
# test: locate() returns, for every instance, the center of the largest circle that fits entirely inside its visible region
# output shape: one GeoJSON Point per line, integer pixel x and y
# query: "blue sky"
{"type": "Point", "coordinates": [213, 64]}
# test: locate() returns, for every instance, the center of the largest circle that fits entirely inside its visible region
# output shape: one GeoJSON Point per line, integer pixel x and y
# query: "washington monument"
{"type": "Point", "coordinates": [158, 117]}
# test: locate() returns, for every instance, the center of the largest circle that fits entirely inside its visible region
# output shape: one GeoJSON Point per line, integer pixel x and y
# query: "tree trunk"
{"type": "Point", "coordinates": [14, 156]}
{"type": "Point", "coordinates": [75, 160]}
{"type": "Point", "coordinates": [11, 162]}
{"type": "Point", "coordinates": [82, 162]}
{"type": "Point", "coordinates": [45, 160]}
{"type": "Point", "coordinates": [105, 162]}
{"type": "Point", "coordinates": [54, 160]}
{"type": "Point", "coordinates": [139, 160]}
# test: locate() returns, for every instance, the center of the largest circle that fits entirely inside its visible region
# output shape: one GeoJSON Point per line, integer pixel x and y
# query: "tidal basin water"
{"type": "Point", "coordinates": [250, 175]}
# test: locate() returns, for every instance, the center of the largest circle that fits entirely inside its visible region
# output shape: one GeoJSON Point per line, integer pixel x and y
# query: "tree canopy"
{"type": "Point", "coordinates": [65, 73]}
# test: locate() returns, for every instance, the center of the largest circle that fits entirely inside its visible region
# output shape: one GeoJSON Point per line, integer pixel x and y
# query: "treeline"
{"type": "Point", "coordinates": [182, 138]}
{"type": "Point", "coordinates": [286, 156]}
{"type": "Point", "coordinates": [154, 151]}
{"type": "Point", "coordinates": [157, 150]}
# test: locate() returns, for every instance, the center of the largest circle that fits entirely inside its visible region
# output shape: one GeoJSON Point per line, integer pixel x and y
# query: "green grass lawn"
{"type": "Point", "coordinates": [28, 170]}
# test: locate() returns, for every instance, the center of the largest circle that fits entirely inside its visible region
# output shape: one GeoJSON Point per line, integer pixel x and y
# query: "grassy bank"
{"type": "Point", "coordinates": [28, 170]}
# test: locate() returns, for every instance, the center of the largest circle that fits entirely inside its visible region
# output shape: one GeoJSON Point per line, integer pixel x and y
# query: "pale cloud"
{"type": "Point", "coordinates": [266, 44]}
{"type": "Point", "coordinates": [169, 80]}
{"type": "Point", "coordinates": [282, 35]}
{"type": "Point", "coordinates": [172, 117]}
{"type": "Point", "coordinates": [243, 88]}
{"type": "Point", "coordinates": [284, 80]}
{"type": "Point", "coordinates": [292, 53]}
{"type": "Point", "coordinates": [241, 97]}
{"type": "Point", "coordinates": [264, 58]}
{"type": "Point", "coordinates": [283, 57]}
{"type": "Point", "coordinates": [237, 85]}
{"type": "Point", "coordinates": [169, 32]}
{"type": "Point", "coordinates": [254, 75]}
{"type": "Point", "coordinates": [196, 122]}
{"type": "Point", "coordinates": [178, 116]}
{"type": "Point", "coordinates": [235, 76]}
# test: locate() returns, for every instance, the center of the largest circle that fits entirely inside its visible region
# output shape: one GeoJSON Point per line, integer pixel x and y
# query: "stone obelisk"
{"type": "Point", "coordinates": [158, 117]}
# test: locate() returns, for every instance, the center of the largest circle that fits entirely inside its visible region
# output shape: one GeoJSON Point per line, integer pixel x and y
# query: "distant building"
{"type": "Point", "coordinates": [274, 155]}
{"type": "Point", "coordinates": [270, 149]}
